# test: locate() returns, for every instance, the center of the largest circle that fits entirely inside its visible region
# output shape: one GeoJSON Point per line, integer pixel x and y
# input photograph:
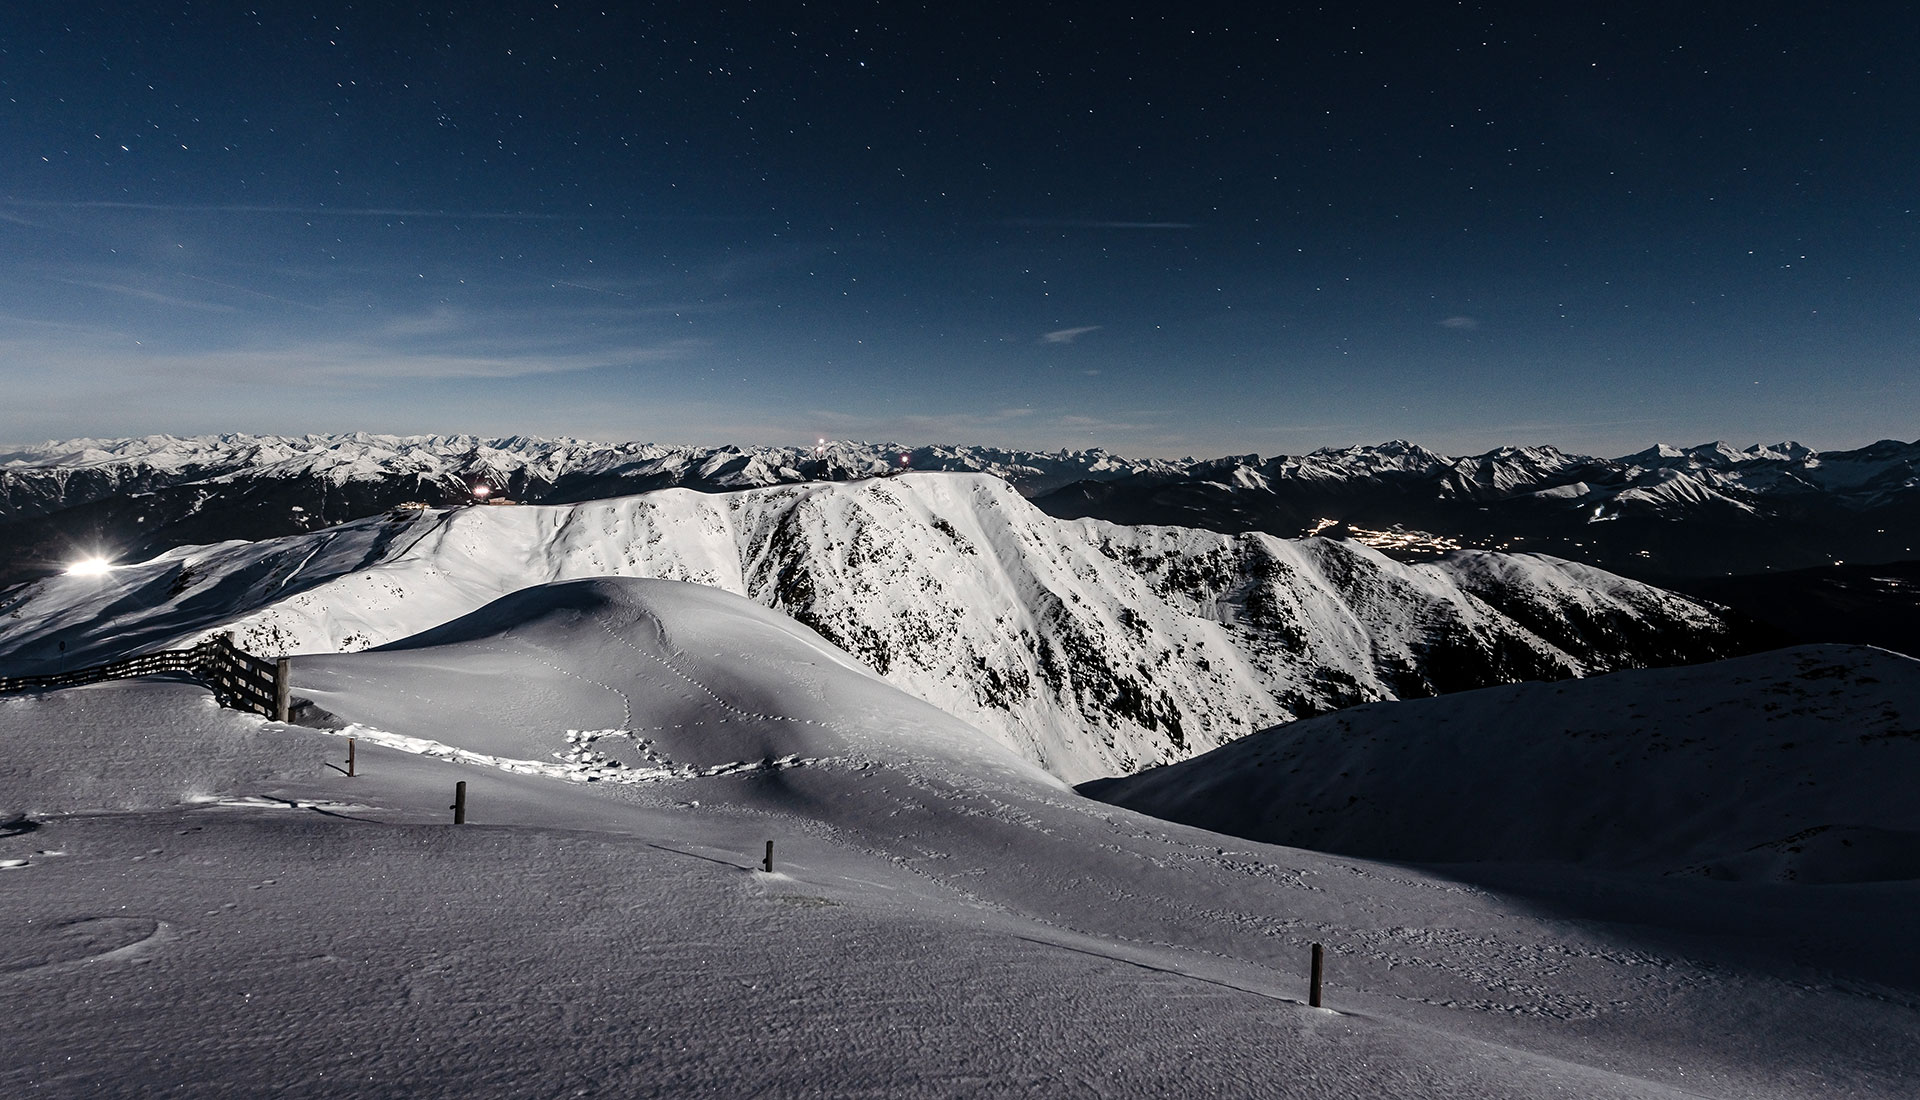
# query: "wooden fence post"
{"type": "Point", "coordinates": [349, 758]}
{"type": "Point", "coordinates": [282, 689]}
{"type": "Point", "coordinates": [767, 863]}
{"type": "Point", "coordinates": [237, 679]}
{"type": "Point", "coordinates": [459, 806]}
{"type": "Point", "coordinates": [1313, 982]}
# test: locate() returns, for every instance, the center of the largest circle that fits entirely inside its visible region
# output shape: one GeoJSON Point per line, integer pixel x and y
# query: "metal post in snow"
{"type": "Point", "coordinates": [1313, 982]}
{"type": "Point", "coordinates": [459, 806]}
{"type": "Point", "coordinates": [767, 863]}
{"type": "Point", "coordinates": [350, 758]}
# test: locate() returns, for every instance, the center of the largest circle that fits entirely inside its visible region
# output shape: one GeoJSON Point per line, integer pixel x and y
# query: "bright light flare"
{"type": "Point", "coordinates": [481, 492]}
{"type": "Point", "coordinates": [90, 567]}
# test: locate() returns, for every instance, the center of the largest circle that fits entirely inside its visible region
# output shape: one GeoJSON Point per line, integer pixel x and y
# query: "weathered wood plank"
{"type": "Point", "coordinates": [238, 679]}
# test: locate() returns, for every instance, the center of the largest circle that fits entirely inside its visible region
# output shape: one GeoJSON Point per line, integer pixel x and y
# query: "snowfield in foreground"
{"type": "Point", "coordinates": [1087, 648]}
{"type": "Point", "coordinates": [204, 902]}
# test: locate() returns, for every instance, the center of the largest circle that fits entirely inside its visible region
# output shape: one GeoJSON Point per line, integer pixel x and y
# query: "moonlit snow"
{"type": "Point", "coordinates": [1790, 766]}
{"type": "Point", "coordinates": [1090, 649]}
{"type": "Point", "coordinates": [204, 902]}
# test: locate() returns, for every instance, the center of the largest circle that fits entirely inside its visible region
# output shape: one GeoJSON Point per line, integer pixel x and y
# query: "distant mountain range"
{"type": "Point", "coordinates": [1088, 648]}
{"type": "Point", "coordinates": [1662, 514]}
{"type": "Point", "coordinates": [1819, 546]}
{"type": "Point", "coordinates": [133, 498]}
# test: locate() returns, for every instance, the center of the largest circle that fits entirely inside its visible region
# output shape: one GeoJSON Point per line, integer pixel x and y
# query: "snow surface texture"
{"type": "Point", "coordinates": [943, 919]}
{"type": "Point", "coordinates": [1089, 649]}
{"type": "Point", "coordinates": [1792, 766]}
{"type": "Point", "coordinates": [183, 747]}
{"type": "Point", "coordinates": [770, 692]}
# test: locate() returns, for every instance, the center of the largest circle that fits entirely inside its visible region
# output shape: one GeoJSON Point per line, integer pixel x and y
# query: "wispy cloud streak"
{"type": "Point", "coordinates": [150, 296]}
{"type": "Point", "coordinates": [1068, 335]}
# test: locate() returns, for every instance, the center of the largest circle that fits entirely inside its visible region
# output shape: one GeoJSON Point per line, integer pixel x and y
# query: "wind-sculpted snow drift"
{"type": "Point", "coordinates": [659, 680]}
{"type": "Point", "coordinates": [1796, 765]}
{"type": "Point", "coordinates": [1088, 648]}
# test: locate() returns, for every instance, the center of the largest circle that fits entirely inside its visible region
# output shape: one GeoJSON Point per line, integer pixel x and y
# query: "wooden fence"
{"type": "Point", "coordinates": [237, 678]}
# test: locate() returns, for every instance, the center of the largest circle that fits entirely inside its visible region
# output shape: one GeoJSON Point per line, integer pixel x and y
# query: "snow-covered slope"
{"type": "Point", "coordinates": [942, 920]}
{"type": "Point", "coordinates": [1875, 605]}
{"type": "Point", "coordinates": [661, 679]}
{"type": "Point", "coordinates": [1796, 765]}
{"type": "Point", "coordinates": [1090, 649]}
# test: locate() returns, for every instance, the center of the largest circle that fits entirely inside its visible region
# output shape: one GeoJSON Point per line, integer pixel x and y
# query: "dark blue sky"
{"type": "Point", "coordinates": [1196, 229]}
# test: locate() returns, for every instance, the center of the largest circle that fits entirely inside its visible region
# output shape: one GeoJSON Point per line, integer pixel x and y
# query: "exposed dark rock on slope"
{"type": "Point", "coordinates": [1087, 647]}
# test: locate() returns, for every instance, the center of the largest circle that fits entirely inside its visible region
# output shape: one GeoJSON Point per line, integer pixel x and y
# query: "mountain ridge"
{"type": "Point", "coordinates": [1640, 515]}
{"type": "Point", "coordinates": [1088, 647]}
{"type": "Point", "coordinates": [1661, 514]}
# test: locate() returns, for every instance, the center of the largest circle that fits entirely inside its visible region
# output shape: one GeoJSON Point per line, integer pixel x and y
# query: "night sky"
{"type": "Point", "coordinates": [1163, 229]}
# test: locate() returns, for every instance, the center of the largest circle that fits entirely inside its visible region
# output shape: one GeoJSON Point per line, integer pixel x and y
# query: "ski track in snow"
{"type": "Point", "coordinates": [575, 766]}
{"type": "Point", "coordinates": [661, 632]}
{"type": "Point", "coordinates": [626, 701]}
{"type": "Point", "coordinates": [579, 763]}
